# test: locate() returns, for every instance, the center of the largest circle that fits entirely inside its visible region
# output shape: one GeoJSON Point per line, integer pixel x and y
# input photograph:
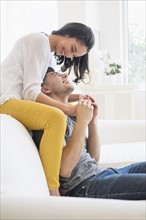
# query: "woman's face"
{"type": "Point", "coordinates": [70, 47]}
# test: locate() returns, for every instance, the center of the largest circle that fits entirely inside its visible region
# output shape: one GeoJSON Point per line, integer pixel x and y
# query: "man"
{"type": "Point", "coordinates": [80, 174]}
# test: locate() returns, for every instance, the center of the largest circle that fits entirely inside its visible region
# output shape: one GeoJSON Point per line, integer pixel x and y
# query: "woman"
{"type": "Point", "coordinates": [23, 71]}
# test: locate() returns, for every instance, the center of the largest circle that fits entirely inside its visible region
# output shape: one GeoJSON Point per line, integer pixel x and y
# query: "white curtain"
{"type": "Point", "coordinates": [19, 18]}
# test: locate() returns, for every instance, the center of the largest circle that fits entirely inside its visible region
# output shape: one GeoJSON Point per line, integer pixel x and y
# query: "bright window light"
{"type": "Point", "coordinates": [136, 41]}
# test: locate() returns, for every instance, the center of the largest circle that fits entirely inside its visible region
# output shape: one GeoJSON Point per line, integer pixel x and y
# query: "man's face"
{"type": "Point", "coordinates": [58, 83]}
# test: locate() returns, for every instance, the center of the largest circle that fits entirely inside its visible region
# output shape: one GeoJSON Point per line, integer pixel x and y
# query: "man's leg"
{"type": "Point", "coordinates": [133, 168]}
{"type": "Point", "coordinates": [114, 184]}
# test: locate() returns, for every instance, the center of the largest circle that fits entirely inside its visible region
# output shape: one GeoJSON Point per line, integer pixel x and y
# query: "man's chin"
{"type": "Point", "coordinates": [71, 89]}
{"type": "Point", "coordinates": [69, 85]}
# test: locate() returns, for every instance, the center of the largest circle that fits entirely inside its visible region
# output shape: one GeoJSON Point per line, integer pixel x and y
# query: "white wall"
{"type": "Point", "coordinates": [22, 17]}
{"type": "Point", "coordinates": [140, 104]}
{"type": "Point", "coordinates": [71, 11]}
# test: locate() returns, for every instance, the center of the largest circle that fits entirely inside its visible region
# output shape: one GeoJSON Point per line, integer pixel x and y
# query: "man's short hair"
{"type": "Point", "coordinates": [50, 69]}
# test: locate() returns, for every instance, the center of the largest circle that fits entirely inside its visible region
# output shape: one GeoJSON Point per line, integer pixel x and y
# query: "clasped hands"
{"type": "Point", "coordinates": [85, 107]}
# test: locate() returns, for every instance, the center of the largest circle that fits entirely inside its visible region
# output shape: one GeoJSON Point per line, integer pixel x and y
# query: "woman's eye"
{"type": "Point", "coordinates": [73, 49]}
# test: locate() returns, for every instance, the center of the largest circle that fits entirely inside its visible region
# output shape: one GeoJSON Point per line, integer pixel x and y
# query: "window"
{"type": "Point", "coordinates": [134, 21]}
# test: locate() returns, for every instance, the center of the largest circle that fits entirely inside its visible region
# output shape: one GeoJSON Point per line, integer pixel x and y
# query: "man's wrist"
{"type": "Point", "coordinates": [93, 122]}
{"type": "Point", "coordinates": [81, 123]}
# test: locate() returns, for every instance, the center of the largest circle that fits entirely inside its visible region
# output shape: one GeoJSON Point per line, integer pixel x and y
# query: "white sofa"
{"type": "Point", "coordinates": [24, 192]}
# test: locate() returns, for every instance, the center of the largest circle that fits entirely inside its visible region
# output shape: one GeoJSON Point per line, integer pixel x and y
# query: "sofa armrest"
{"type": "Point", "coordinates": [22, 171]}
{"type": "Point", "coordinates": [121, 131]}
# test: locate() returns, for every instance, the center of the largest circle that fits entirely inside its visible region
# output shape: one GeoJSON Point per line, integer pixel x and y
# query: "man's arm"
{"type": "Point", "coordinates": [72, 150]}
{"type": "Point", "coordinates": [93, 145]}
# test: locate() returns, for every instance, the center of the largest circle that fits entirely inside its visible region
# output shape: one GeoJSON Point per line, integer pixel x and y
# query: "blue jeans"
{"type": "Point", "coordinates": [128, 183]}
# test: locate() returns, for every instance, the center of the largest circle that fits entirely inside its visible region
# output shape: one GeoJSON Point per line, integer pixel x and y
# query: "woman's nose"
{"type": "Point", "coordinates": [70, 55]}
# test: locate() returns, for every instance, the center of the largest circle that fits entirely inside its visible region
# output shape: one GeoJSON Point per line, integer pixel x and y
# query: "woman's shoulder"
{"type": "Point", "coordinates": [36, 40]}
{"type": "Point", "coordinates": [37, 36]}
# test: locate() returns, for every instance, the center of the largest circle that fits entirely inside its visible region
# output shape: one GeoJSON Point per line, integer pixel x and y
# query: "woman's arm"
{"type": "Point", "coordinates": [68, 110]}
{"type": "Point", "coordinates": [75, 97]}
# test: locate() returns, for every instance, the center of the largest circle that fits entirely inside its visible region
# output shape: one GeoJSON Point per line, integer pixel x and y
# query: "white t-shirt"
{"type": "Point", "coordinates": [23, 70]}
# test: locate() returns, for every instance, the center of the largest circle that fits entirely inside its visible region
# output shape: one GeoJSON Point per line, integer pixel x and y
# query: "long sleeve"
{"type": "Point", "coordinates": [36, 61]}
{"type": "Point", "coordinates": [24, 68]}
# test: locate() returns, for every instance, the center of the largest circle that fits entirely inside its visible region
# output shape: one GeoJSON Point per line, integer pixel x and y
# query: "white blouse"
{"type": "Point", "coordinates": [23, 70]}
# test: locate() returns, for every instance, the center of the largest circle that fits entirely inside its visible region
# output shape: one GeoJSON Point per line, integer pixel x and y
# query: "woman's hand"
{"type": "Point", "coordinates": [70, 110]}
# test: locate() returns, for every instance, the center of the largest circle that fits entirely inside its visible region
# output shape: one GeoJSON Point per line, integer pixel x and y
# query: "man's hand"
{"type": "Point", "coordinates": [95, 107]}
{"type": "Point", "coordinates": [95, 111]}
{"type": "Point", "coordinates": [94, 104]}
{"type": "Point", "coordinates": [84, 111]}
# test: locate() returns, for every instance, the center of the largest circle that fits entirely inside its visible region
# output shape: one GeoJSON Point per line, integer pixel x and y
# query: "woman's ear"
{"type": "Point", "coordinates": [45, 90]}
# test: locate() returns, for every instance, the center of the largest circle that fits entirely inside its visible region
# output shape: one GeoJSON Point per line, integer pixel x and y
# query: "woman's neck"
{"type": "Point", "coordinates": [53, 42]}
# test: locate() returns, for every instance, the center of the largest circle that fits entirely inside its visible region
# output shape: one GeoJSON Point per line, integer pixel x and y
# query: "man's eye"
{"type": "Point", "coordinates": [54, 74]}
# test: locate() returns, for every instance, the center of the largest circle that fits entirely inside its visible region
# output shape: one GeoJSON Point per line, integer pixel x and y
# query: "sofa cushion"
{"type": "Point", "coordinates": [69, 208]}
{"type": "Point", "coordinates": [121, 154]}
{"type": "Point", "coordinates": [121, 131]}
{"type": "Point", "coordinates": [21, 168]}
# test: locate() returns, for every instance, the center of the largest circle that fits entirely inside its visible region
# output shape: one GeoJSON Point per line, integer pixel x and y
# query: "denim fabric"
{"type": "Point", "coordinates": [128, 183]}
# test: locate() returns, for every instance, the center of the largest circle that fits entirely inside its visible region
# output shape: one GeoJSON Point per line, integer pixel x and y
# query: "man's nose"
{"type": "Point", "coordinates": [63, 75]}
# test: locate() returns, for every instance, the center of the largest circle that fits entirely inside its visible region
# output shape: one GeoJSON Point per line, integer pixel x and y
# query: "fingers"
{"type": "Point", "coordinates": [80, 99]}
{"type": "Point", "coordinates": [87, 100]}
{"type": "Point", "coordinates": [90, 97]}
{"type": "Point", "coordinates": [89, 103]}
{"type": "Point", "coordinates": [95, 105]}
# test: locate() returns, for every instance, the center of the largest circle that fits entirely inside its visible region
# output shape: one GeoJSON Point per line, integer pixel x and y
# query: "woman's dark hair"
{"type": "Point", "coordinates": [83, 34]}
